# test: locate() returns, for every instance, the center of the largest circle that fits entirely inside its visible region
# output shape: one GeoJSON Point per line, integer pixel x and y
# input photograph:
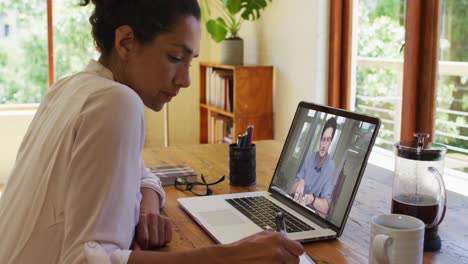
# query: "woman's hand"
{"type": "Point", "coordinates": [265, 247]}
{"type": "Point", "coordinates": [153, 230]}
{"type": "Point", "coordinates": [261, 248]}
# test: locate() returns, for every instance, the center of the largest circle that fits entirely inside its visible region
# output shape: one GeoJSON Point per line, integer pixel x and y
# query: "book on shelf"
{"type": "Point", "coordinates": [219, 88]}
{"type": "Point", "coordinates": [227, 140]}
{"type": "Point", "coordinates": [220, 128]}
{"type": "Point", "coordinates": [168, 174]}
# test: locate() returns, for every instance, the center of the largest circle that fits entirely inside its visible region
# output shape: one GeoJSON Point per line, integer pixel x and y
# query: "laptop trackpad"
{"type": "Point", "coordinates": [221, 217]}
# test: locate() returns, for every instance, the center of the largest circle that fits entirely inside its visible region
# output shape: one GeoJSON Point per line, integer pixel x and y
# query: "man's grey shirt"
{"type": "Point", "coordinates": [318, 181]}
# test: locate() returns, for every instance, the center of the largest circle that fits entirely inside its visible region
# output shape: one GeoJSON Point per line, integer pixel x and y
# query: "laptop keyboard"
{"type": "Point", "coordinates": [263, 211]}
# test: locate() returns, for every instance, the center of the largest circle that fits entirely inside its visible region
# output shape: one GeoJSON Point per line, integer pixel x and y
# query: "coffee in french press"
{"type": "Point", "coordinates": [418, 186]}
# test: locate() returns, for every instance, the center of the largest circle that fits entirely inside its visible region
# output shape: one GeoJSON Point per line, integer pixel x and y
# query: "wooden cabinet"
{"type": "Point", "coordinates": [233, 97]}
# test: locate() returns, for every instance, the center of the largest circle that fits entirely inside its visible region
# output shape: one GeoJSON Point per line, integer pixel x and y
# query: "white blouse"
{"type": "Point", "coordinates": [74, 193]}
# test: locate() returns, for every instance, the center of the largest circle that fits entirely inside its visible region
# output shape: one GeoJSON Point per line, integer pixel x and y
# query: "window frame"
{"type": "Point", "coordinates": [339, 53]}
{"type": "Point", "coordinates": [419, 68]}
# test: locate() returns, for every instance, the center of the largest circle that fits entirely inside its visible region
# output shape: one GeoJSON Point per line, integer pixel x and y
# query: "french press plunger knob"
{"type": "Point", "coordinates": [421, 137]}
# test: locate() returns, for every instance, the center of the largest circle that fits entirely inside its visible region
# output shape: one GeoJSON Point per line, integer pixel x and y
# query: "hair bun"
{"type": "Point", "coordinates": [147, 18]}
{"type": "Point", "coordinates": [95, 2]}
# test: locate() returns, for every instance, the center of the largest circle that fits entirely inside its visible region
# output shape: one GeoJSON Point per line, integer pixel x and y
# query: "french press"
{"type": "Point", "coordinates": [418, 186]}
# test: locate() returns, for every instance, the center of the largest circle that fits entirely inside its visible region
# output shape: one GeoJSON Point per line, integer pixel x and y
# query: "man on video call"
{"type": "Point", "coordinates": [313, 184]}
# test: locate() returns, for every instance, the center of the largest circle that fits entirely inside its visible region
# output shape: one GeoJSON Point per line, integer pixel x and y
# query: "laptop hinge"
{"type": "Point", "coordinates": [303, 211]}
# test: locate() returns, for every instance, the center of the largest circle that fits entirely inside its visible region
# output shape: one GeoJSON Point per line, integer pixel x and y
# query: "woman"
{"type": "Point", "coordinates": [79, 192]}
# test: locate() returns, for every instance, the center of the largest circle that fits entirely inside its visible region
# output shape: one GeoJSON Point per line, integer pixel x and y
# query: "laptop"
{"type": "Point", "coordinates": [314, 183]}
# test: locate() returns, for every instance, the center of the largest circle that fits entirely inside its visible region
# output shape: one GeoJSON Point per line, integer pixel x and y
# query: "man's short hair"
{"type": "Point", "coordinates": [330, 123]}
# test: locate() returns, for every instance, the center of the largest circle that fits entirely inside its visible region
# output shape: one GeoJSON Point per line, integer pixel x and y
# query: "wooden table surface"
{"type": "Point", "coordinates": [373, 197]}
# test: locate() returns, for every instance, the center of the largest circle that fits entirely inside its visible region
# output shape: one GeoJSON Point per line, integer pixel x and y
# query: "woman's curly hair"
{"type": "Point", "coordinates": [147, 18]}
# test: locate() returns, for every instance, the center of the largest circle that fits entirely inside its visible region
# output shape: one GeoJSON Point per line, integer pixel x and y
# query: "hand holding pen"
{"type": "Point", "coordinates": [281, 225]}
{"type": "Point", "coordinates": [264, 247]}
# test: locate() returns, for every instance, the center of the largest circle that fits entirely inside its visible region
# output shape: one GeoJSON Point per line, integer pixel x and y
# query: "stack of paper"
{"type": "Point", "coordinates": [168, 174]}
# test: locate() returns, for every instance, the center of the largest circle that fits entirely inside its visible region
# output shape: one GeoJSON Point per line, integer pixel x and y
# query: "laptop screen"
{"type": "Point", "coordinates": [321, 162]}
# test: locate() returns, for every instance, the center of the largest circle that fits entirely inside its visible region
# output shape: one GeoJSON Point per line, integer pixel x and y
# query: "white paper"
{"type": "Point", "coordinates": [305, 259]}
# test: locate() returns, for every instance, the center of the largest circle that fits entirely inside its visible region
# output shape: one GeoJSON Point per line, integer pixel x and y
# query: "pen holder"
{"type": "Point", "coordinates": [242, 168]}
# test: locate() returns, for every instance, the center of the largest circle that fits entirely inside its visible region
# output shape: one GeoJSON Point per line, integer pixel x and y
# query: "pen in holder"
{"type": "Point", "coordinates": [242, 168]}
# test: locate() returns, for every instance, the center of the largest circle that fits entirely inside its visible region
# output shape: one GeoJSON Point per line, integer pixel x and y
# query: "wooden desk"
{"type": "Point", "coordinates": [374, 197]}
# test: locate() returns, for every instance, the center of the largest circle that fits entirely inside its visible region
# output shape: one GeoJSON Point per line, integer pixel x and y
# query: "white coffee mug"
{"type": "Point", "coordinates": [396, 238]}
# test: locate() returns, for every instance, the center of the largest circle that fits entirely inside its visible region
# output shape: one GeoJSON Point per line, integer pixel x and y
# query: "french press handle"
{"type": "Point", "coordinates": [443, 198]}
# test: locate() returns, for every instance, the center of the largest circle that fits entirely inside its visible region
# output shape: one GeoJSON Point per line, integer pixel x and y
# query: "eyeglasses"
{"type": "Point", "coordinates": [198, 188]}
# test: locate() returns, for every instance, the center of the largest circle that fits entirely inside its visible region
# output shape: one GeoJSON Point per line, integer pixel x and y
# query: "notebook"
{"type": "Point", "coordinates": [314, 183]}
{"type": "Point", "coordinates": [168, 174]}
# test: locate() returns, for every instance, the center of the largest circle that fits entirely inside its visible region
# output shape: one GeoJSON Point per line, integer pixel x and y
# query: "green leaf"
{"type": "Point", "coordinates": [233, 6]}
{"type": "Point", "coordinates": [218, 29]}
{"type": "Point", "coordinates": [251, 8]}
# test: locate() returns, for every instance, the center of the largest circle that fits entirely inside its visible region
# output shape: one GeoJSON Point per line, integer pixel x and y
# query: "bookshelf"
{"type": "Point", "coordinates": [233, 97]}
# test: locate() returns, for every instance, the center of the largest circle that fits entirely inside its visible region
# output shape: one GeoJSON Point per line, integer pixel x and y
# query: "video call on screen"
{"type": "Point", "coordinates": [322, 159]}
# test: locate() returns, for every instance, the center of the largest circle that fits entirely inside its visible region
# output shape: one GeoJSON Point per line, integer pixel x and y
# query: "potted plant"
{"type": "Point", "coordinates": [225, 28]}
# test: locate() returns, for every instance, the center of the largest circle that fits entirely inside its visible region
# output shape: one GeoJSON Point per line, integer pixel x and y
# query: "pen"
{"type": "Point", "coordinates": [247, 136]}
{"type": "Point", "coordinates": [251, 135]}
{"type": "Point", "coordinates": [280, 224]}
{"type": "Point", "coordinates": [244, 140]}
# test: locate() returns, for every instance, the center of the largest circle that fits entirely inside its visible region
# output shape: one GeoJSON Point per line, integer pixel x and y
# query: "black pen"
{"type": "Point", "coordinates": [280, 224]}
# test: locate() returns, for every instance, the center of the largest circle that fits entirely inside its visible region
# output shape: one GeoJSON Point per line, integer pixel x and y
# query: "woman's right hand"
{"type": "Point", "coordinates": [265, 247]}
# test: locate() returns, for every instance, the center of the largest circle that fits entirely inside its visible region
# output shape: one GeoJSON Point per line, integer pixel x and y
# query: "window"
{"type": "Point", "coordinates": [378, 78]}
{"type": "Point", "coordinates": [451, 126]}
{"type": "Point", "coordinates": [299, 149]}
{"type": "Point", "coordinates": [24, 48]}
{"type": "Point", "coordinates": [403, 94]}
{"type": "Point", "coordinates": [6, 30]}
